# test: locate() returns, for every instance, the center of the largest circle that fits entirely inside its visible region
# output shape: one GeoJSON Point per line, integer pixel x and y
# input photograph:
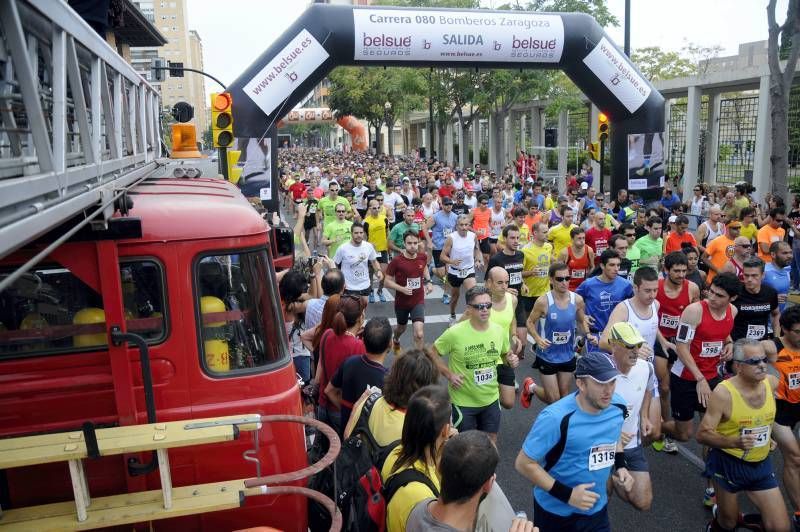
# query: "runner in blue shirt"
{"type": "Point", "coordinates": [440, 226]}
{"type": "Point", "coordinates": [777, 273]}
{"type": "Point", "coordinates": [602, 293]}
{"type": "Point", "coordinates": [569, 463]}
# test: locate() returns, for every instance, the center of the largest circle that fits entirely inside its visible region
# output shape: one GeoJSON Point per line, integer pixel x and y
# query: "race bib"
{"type": "Point", "coordinates": [515, 278]}
{"type": "Point", "coordinates": [669, 322]}
{"type": "Point", "coordinates": [794, 380]}
{"type": "Point", "coordinates": [312, 209]}
{"type": "Point", "coordinates": [761, 433]}
{"type": "Point", "coordinates": [481, 232]}
{"type": "Point", "coordinates": [561, 338]}
{"type": "Point", "coordinates": [577, 274]}
{"type": "Point", "coordinates": [711, 349]}
{"type": "Point", "coordinates": [360, 274]}
{"type": "Point", "coordinates": [447, 232]}
{"type": "Point", "coordinates": [483, 376]}
{"type": "Point", "coordinates": [413, 283]}
{"type": "Point", "coordinates": [756, 332]}
{"type": "Point", "coordinates": [602, 456]}
{"type": "Point", "coordinates": [540, 272]}
{"type": "Point", "coordinates": [463, 274]}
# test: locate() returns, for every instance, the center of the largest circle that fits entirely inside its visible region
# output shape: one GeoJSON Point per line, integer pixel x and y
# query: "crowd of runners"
{"type": "Point", "coordinates": [634, 321]}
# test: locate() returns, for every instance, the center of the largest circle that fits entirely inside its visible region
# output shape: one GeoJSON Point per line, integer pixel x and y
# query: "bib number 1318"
{"type": "Point", "coordinates": [602, 456]}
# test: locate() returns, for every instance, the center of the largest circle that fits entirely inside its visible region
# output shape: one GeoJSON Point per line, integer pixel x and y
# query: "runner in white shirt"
{"type": "Point", "coordinates": [393, 202]}
{"type": "Point", "coordinates": [354, 258]}
{"type": "Point", "coordinates": [462, 255]}
{"type": "Point", "coordinates": [636, 385]}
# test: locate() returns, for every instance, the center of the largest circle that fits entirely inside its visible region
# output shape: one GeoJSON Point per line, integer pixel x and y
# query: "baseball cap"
{"type": "Point", "coordinates": [672, 219]}
{"type": "Point", "coordinates": [736, 224]}
{"type": "Point", "coordinates": [625, 332]}
{"type": "Point", "coordinates": [584, 185]}
{"type": "Point", "coordinates": [597, 366]}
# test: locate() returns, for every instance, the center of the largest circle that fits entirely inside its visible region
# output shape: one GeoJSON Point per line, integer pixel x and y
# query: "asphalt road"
{"type": "Point", "coordinates": [677, 482]}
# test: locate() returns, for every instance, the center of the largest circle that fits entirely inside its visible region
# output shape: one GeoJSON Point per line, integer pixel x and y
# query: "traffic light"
{"type": "Point", "coordinates": [594, 150]}
{"type": "Point", "coordinates": [222, 119]}
{"type": "Point", "coordinates": [602, 126]}
{"type": "Point", "coordinates": [234, 172]}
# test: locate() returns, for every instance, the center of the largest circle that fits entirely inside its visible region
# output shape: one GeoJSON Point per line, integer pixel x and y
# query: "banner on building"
{"type": "Point", "coordinates": [645, 161]}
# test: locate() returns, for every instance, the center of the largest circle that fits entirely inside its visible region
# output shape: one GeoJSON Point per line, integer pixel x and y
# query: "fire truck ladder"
{"type": "Point", "coordinates": [78, 125]}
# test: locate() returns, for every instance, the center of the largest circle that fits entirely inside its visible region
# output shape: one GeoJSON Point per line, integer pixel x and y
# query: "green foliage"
{"type": "Point", "coordinates": [725, 152]}
{"type": "Point", "coordinates": [657, 64]}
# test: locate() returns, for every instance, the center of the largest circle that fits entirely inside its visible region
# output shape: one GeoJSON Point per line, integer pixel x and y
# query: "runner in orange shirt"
{"type": "Point", "coordinates": [720, 250]}
{"type": "Point", "coordinates": [480, 218]}
{"type": "Point", "coordinates": [771, 232]}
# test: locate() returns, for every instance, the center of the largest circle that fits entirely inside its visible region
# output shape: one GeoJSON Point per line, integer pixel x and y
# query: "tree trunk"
{"type": "Point", "coordinates": [779, 158]}
{"type": "Point", "coordinates": [500, 141]}
{"type": "Point", "coordinates": [442, 127]}
{"type": "Point", "coordinates": [462, 138]}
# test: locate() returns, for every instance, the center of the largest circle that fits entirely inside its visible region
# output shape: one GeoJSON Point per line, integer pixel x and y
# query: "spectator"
{"type": "Point", "coordinates": [332, 283]}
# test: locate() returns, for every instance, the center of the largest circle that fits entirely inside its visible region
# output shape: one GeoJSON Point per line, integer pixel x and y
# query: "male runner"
{"type": "Point", "coordinates": [777, 274]}
{"type": "Point", "coordinates": [328, 205]}
{"type": "Point", "coordinates": [675, 293]}
{"type": "Point", "coordinates": [461, 255]}
{"type": "Point", "coordinates": [559, 234]}
{"type": "Point", "coordinates": [680, 237]}
{"type": "Point", "coordinates": [570, 450]}
{"type": "Point", "coordinates": [538, 256]}
{"type": "Point", "coordinates": [511, 260]}
{"type": "Point", "coordinates": [602, 293]}
{"type": "Point", "coordinates": [742, 249]}
{"type": "Point", "coordinates": [480, 217]}
{"type": "Point", "coordinates": [737, 426]}
{"type": "Point", "coordinates": [376, 227]}
{"type": "Point", "coordinates": [504, 305]}
{"type": "Point", "coordinates": [703, 339]}
{"type": "Point", "coordinates": [633, 254]}
{"type": "Point", "coordinates": [578, 257]}
{"type": "Point", "coordinates": [336, 231]}
{"type": "Point", "coordinates": [409, 277]}
{"type": "Point", "coordinates": [475, 348]}
{"type": "Point", "coordinates": [636, 384]}
{"type": "Point", "coordinates": [651, 245]}
{"type": "Point", "coordinates": [598, 234]}
{"type": "Point", "coordinates": [354, 258]}
{"type": "Point", "coordinates": [441, 225]}
{"type": "Point", "coordinates": [784, 355]}
{"type": "Point", "coordinates": [397, 233]}
{"type": "Point", "coordinates": [718, 251]}
{"type": "Point", "coordinates": [552, 324]}
{"type": "Point", "coordinates": [771, 232]}
{"type": "Point", "coordinates": [757, 305]}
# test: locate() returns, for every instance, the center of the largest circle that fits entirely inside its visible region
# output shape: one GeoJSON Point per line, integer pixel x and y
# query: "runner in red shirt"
{"type": "Point", "coordinates": [409, 277]}
{"type": "Point", "coordinates": [598, 235]}
{"type": "Point", "coordinates": [703, 340]}
{"type": "Point", "coordinates": [578, 257]}
{"type": "Point", "coordinates": [447, 190]}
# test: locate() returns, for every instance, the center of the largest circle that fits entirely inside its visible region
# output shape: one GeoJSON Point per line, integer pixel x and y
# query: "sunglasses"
{"type": "Point", "coordinates": [561, 279]}
{"type": "Point", "coordinates": [630, 346]}
{"type": "Point", "coordinates": [480, 306]}
{"type": "Point", "coordinates": [338, 211]}
{"type": "Point", "coordinates": [753, 361]}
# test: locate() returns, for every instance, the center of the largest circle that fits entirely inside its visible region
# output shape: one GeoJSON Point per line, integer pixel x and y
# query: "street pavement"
{"type": "Point", "coordinates": [677, 482]}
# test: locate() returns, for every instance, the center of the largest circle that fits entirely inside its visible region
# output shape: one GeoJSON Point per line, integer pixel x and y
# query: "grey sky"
{"type": "Point", "coordinates": [234, 35]}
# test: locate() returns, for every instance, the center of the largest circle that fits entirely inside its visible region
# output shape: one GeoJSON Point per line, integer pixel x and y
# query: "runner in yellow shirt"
{"type": "Point", "coordinates": [559, 234]}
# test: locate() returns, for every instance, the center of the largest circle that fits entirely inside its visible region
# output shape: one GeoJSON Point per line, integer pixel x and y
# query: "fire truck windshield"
{"type": "Point", "coordinates": [240, 321]}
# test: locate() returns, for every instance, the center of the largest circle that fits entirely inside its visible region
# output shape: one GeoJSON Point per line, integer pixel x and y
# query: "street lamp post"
{"type": "Point", "coordinates": [387, 113]}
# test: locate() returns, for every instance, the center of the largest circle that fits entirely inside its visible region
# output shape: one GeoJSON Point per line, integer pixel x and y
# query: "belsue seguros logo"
{"type": "Point", "coordinates": [385, 45]}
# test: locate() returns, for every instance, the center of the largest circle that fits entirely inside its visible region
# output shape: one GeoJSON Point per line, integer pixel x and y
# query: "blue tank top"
{"type": "Point", "coordinates": [443, 225]}
{"type": "Point", "coordinates": [558, 326]}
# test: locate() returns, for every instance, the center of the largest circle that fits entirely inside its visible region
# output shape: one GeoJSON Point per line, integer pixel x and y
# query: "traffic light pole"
{"type": "Point", "coordinates": [206, 74]}
{"type": "Point", "coordinates": [602, 162]}
{"type": "Point", "coordinates": [222, 162]}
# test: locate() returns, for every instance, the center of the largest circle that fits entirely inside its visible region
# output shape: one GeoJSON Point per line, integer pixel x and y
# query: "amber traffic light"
{"type": "Point", "coordinates": [602, 126]}
{"type": "Point", "coordinates": [222, 119]}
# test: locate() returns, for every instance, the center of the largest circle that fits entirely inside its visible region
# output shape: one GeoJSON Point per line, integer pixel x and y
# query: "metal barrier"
{"type": "Point", "coordinates": [77, 122]}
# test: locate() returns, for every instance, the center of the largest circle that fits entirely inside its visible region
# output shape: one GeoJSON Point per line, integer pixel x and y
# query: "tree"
{"type": "Point", "coordinates": [780, 87]}
{"type": "Point", "coordinates": [657, 64]}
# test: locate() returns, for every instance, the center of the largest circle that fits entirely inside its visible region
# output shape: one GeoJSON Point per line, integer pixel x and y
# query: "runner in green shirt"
{"type": "Point", "coordinates": [336, 231]}
{"type": "Point", "coordinates": [326, 207]}
{"type": "Point", "coordinates": [396, 243]}
{"type": "Point", "coordinates": [651, 245]}
{"type": "Point", "coordinates": [634, 255]}
{"type": "Point", "coordinates": [479, 360]}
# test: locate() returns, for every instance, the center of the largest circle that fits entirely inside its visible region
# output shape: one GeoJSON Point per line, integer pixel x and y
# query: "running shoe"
{"type": "Point", "coordinates": [670, 446]}
{"type": "Point", "coordinates": [452, 320]}
{"type": "Point", "coordinates": [396, 346]}
{"type": "Point", "coordinates": [381, 296]}
{"type": "Point", "coordinates": [526, 394]}
{"type": "Point", "coordinates": [709, 498]}
{"type": "Point", "coordinates": [445, 298]}
{"type": "Point", "coordinates": [371, 297]}
{"type": "Point", "coordinates": [658, 445]}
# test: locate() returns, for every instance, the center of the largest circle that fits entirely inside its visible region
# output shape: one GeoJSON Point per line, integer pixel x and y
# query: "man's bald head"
{"type": "Point", "coordinates": [497, 273]}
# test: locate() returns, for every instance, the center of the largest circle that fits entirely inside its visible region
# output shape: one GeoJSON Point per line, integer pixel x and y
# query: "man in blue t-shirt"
{"type": "Point", "coordinates": [777, 273]}
{"type": "Point", "coordinates": [602, 293]}
{"type": "Point", "coordinates": [361, 371]}
{"type": "Point", "coordinates": [569, 463]}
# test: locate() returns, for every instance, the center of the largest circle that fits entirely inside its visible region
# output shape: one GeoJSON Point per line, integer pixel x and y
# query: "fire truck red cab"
{"type": "Point", "coordinates": [190, 269]}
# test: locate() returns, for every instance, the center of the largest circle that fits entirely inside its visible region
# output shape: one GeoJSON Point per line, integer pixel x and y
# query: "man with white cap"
{"type": "Point", "coordinates": [570, 450]}
{"type": "Point", "coordinates": [637, 386]}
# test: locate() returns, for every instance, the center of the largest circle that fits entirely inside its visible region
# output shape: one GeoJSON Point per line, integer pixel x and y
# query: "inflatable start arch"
{"type": "Point", "coordinates": [323, 115]}
{"type": "Point", "coordinates": [327, 36]}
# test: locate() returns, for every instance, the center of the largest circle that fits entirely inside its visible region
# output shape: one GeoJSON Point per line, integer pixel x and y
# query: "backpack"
{"type": "Point", "coordinates": [354, 483]}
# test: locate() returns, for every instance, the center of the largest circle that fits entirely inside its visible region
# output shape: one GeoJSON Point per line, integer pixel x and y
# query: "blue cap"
{"type": "Point", "coordinates": [597, 366]}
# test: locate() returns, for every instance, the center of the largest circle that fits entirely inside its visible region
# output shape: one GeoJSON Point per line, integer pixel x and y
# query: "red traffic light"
{"type": "Point", "coordinates": [222, 101]}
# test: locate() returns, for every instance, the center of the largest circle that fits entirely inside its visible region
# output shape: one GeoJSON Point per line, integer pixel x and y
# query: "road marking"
{"type": "Point", "coordinates": [436, 318]}
{"type": "Point", "coordinates": [695, 460]}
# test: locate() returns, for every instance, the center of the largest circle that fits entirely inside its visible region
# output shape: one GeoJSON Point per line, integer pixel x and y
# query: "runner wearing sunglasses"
{"type": "Point", "coordinates": [552, 323]}
{"type": "Point", "coordinates": [475, 348]}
